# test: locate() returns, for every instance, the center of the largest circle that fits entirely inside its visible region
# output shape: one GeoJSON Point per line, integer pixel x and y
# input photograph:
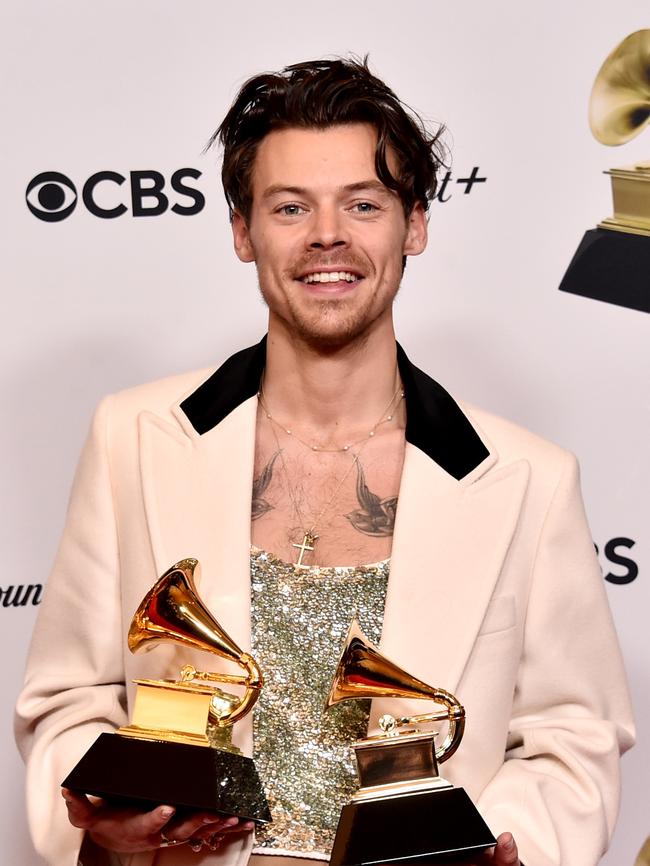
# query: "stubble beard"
{"type": "Point", "coordinates": [328, 325]}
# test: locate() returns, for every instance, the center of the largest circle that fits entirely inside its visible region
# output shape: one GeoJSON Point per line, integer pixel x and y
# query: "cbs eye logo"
{"type": "Point", "coordinates": [51, 196]}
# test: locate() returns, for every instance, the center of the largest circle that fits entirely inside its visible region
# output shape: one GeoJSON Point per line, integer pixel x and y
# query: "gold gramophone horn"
{"type": "Point", "coordinates": [619, 107]}
{"type": "Point", "coordinates": [643, 858]}
{"type": "Point", "coordinates": [363, 672]}
{"type": "Point", "coordinates": [172, 611]}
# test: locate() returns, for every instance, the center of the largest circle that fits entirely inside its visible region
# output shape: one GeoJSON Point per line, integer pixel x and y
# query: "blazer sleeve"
{"type": "Point", "coordinates": [558, 788]}
{"type": "Point", "coordinates": [74, 687]}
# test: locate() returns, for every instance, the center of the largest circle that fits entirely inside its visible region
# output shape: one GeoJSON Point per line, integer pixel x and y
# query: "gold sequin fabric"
{"type": "Point", "coordinates": [304, 755]}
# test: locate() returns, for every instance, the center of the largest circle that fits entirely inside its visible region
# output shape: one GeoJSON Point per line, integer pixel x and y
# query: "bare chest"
{"type": "Point", "coordinates": [326, 509]}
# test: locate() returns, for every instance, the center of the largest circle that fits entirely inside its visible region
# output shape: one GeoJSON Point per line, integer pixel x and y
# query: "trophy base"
{"type": "Point", "coordinates": [146, 773]}
{"type": "Point", "coordinates": [611, 266]}
{"type": "Point", "coordinates": [434, 826]}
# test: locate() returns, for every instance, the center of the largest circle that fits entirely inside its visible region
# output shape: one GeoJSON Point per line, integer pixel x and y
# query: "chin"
{"type": "Point", "coordinates": [330, 332]}
{"type": "Point", "coordinates": [328, 324]}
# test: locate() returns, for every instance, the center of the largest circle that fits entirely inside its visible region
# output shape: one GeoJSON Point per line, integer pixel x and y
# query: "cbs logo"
{"type": "Point", "coordinates": [51, 196]}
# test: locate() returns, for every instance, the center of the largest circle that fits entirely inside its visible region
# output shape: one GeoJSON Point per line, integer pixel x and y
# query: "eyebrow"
{"type": "Point", "coordinates": [360, 186]}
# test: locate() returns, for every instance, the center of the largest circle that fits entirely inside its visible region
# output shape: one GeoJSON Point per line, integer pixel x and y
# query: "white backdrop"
{"type": "Point", "coordinates": [92, 305]}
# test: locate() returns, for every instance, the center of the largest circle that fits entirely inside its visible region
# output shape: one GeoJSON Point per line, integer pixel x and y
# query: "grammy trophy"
{"type": "Point", "coordinates": [404, 810]}
{"type": "Point", "coordinates": [612, 261]}
{"type": "Point", "coordinates": [178, 747]}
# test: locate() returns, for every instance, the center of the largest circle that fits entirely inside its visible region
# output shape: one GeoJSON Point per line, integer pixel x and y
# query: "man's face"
{"type": "Point", "coordinates": [326, 235]}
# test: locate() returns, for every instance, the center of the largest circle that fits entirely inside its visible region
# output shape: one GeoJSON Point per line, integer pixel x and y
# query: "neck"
{"type": "Point", "coordinates": [330, 393]}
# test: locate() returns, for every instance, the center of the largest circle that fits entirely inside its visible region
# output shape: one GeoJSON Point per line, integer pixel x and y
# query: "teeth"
{"type": "Point", "coordinates": [330, 277]}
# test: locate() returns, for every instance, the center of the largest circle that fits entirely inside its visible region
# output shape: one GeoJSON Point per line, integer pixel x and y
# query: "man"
{"type": "Point", "coordinates": [459, 537]}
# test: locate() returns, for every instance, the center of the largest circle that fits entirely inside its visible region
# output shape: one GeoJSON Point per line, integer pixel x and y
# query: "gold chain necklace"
{"type": "Point", "coordinates": [309, 534]}
{"type": "Point", "coordinates": [396, 399]}
{"type": "Point", "coordinates": [310, 537]}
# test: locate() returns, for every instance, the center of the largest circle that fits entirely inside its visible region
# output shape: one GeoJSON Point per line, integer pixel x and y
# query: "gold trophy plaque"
{"type": "Point", "coordinates": [612, 261]}
{"type": "Point", "coordinates": [404, 810]}
{"type": "Point", "coordinates": [178, 747]}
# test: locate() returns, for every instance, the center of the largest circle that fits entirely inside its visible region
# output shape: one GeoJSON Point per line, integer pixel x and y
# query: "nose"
{"type": "Point", "coordinates": [327, 229]}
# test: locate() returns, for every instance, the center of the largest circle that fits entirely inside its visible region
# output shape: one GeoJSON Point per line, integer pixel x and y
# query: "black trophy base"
{"type": "Point", "coordinates": [438, 826]}
{"type": "Point", "coordinates": [611, 266]}
{"type": "Point", "coordinates": [146, 773]}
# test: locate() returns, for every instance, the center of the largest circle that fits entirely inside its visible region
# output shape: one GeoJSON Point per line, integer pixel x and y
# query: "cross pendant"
{"type": "Point", "coordinates": [308, 543]}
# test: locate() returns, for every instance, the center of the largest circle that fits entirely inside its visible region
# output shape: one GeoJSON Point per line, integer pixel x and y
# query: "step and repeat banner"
{"type": "Point", "coordinates": [117, 264]}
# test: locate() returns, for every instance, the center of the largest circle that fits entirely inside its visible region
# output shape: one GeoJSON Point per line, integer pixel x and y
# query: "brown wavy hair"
{"type": "Point", "coordinates": [318, 94]}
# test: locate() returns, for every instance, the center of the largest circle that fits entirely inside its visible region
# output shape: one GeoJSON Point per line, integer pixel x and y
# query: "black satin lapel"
{"type": "Point", "coordinates": [233, 383]}
{"type": "Point", "coordinates": [436, 424]}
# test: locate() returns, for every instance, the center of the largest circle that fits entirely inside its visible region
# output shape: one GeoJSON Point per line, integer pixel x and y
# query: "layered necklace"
{"type": "Point", "coordinates": [308, 528]}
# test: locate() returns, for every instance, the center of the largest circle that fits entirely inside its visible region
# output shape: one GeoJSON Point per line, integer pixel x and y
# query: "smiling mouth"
{"type": "Point", "coordinates": [331, 277]}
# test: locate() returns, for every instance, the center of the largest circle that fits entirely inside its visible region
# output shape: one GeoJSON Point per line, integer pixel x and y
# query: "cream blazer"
{"type": "Point", "coordinates": [494, 594]}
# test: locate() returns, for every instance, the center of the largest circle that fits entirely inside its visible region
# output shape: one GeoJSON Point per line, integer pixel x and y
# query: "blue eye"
{"type": "Point", "coordinates": [290, 210]}
{"type": "Point", "coordinates": [365, 207]}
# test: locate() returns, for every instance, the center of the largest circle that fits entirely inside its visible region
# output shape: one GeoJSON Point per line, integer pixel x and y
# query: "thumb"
{"type": "Point", "coordinates": [506, 854]}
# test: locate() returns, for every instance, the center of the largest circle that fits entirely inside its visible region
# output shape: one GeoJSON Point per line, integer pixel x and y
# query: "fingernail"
{"type": "Point", "coordinates": [249, 825]}
{"type": "Point", "coordinates": [231, 822]}
{"type": "Point", "coordinates": [209, 820]}
{"type": "Point", "coordinates": [510, 844]}
{"type": "Point", "coordinates": [166, 811]}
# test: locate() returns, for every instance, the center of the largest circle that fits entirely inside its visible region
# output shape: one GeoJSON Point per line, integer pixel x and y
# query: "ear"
{"type": "Point", "coordinates": [241, 238]}
{"type": "Point", "coordinates": [416, 232]}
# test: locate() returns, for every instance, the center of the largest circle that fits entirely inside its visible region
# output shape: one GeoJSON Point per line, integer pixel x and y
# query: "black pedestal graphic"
{"type": "Point", "coordinates": [435, 826]}
{"type": "Point", "coordinates": [611, 266]}
{"type": "Point", "coordinates": [147, 773]}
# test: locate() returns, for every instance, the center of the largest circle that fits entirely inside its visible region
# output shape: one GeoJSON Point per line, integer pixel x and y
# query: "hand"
{"type": "Point", "coordinates": [129, 830]}
{"type": "Point", "coordinates": [504, 854]}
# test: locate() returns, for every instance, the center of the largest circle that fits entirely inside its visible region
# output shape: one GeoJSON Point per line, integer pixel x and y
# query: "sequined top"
{"type": "Point", "coordinates": [300, 617]}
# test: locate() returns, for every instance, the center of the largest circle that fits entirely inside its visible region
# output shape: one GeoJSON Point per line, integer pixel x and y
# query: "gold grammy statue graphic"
{"type": "Point", "coordinates": [612, 261]}
{"type": "Point", "coordinates": [398, 772]}
{"type": "Point", "coordinates": [178, 747]}
{"type": "Point", "coordinates": [619, 109]}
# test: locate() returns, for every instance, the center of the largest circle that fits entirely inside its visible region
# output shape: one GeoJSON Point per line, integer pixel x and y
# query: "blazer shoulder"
{"type": "Point", "coordinates": [116, 420]}
{"type": "Point", "coordinates": [158, 397]}
{"type": "Point", "coordinates": [514, 442]}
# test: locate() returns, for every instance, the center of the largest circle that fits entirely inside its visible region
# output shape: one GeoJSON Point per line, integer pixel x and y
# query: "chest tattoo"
{"type": "Point", "coordinates": [376, 516]}
{"type": "Point", "coordinates": [260, 505]}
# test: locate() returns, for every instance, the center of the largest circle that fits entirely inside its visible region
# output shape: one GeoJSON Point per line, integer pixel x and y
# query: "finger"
{"type": "Point", "coordinates": [129, 830]}
{"type": "Point", "coordinates": [80, 810]}
{"type": "Point", "coordinates": [200, 824]}
{"type": "Point", "coordinates": [242, 827]}
{"type": "Point", "coordinates": [225, 833]}
{"type": "Point", "coordinates": [506, 854]}
{"type": "Point", "coordinates": [151, 823]}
